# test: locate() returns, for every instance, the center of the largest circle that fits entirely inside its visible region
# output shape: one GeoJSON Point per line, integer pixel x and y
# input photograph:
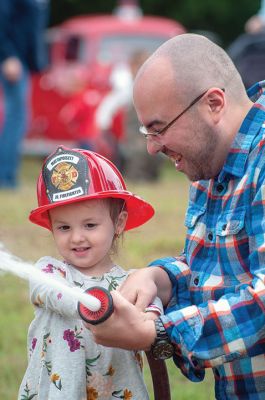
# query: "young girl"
{"type": "Point", "coordinates": [83, 200]}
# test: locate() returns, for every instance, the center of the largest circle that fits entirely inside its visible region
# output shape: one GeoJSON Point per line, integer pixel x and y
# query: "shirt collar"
{"type": "Point", "coordinates": [241, 146]}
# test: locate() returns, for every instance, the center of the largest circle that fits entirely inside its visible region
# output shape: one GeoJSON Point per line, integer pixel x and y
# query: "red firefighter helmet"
{"type": "Point", "coordinates": [72, 175]}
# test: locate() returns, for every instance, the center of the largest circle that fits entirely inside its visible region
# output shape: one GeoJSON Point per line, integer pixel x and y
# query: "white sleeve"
{"type": "Point", "coordinates": [120, 96]}
{"type": "Point", "coordinates": [49, 298]}
{"type": "Point", "coordinates": [156, 306]}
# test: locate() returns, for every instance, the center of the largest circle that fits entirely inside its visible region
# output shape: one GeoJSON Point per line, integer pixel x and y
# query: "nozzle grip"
{"type": "Point", "coordinates": [106, 309]}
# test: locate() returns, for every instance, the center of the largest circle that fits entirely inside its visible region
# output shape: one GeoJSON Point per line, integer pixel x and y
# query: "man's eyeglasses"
{"type": "Point", "coordinates": [143, 130]}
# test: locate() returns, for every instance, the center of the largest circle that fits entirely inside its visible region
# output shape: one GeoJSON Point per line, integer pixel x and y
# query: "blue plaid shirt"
{"type": "Point", "coordinates": [216, 315]}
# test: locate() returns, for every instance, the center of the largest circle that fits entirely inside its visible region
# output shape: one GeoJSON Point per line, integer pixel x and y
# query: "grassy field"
{"type": "Point", "coordinates": [163, 235]}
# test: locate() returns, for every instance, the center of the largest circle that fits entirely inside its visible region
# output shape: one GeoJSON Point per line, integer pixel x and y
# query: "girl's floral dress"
{"type": "Point", "coordinates": [64, 363]}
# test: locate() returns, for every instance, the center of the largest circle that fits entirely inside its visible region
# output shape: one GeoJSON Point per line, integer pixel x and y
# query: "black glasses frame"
{"type": "Point", "coordinates": [143, 130]}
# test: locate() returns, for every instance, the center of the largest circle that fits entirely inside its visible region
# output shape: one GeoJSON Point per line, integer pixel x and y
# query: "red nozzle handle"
{"type": "Point", "coordinates": [106, 309]}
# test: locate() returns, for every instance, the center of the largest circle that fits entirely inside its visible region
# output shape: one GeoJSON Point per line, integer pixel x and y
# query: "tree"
{"type": "Point", "coordinates": [226, 18]}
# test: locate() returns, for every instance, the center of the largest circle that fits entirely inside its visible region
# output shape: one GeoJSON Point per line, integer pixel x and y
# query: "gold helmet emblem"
{"type": "Point", "coordinates": [64, 176]}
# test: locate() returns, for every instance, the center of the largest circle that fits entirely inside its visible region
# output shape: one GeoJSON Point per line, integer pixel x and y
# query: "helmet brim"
{"type": "Point", "coordinates": [139, 211]}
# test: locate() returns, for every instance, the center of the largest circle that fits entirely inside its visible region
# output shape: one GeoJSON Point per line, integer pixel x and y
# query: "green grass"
{"type": "Point", "coordinates": [163, 235]}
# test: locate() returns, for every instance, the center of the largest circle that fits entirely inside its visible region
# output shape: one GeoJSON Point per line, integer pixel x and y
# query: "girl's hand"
{"type": "Point", "coordinates": [143, 285]}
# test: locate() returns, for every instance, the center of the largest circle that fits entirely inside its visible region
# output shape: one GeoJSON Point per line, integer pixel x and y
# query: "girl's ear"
{"type": "Point", "coordinates": [121, 222]}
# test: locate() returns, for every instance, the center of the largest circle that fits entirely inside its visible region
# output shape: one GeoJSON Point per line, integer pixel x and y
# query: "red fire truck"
{"type": "Point", "coordinates": [83, 51]}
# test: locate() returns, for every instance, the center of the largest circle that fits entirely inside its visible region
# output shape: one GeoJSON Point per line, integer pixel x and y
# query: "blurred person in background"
{"type": "Point", "coordinates": [90, 113]}
{"type": "Point", "coordinates": [118, 98]}
{"type": "Point", "coordinates": [147, 167]}
{"type": "Point", "coordinates": [22, 51]}
{"type": "Point", "coordinates": [256, 23]}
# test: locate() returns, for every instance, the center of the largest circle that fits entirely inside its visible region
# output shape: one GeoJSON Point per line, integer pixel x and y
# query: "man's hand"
{"type": "Point", "coordinates": [126, 328]}
{"type": "Point", "coordinates": [143, 285]}
{"type": "Point", "coordinates": [12, 69]}
{"type": "Point", "coordinates": [255, 24]}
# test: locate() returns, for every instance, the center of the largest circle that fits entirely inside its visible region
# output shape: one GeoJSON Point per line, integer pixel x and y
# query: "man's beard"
{"type": "Point", "coordinates": [202, 159]}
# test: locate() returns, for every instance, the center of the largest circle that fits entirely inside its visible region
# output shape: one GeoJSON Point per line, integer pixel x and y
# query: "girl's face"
{"type": "Point", "coordinates": [84, 233]}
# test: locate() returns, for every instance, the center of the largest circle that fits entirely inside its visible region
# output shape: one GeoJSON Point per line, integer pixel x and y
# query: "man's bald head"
{"type": "Point", "coordinates": [196, 64]}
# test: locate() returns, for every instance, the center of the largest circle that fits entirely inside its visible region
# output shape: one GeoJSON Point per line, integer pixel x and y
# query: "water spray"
{"type": "Point", "coordinates": [95, 305]}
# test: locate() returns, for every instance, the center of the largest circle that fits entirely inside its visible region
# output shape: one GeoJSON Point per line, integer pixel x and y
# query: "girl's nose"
{"type": "Point", "coordinates": [77, 236]}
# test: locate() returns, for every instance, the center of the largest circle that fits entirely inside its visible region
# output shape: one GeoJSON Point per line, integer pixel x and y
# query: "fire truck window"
{"type": "Point", "coordinates": [120, 48]}
{"type": "Point", "coordinates": [74, 49]}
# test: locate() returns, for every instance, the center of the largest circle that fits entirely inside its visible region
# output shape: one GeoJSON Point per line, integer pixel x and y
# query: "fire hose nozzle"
{"type": "Point", "coordinates": [105, 311]}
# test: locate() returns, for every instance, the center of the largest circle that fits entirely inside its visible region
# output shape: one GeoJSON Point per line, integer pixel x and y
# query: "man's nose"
{"type": "Point", "coordinates": [153, 147]}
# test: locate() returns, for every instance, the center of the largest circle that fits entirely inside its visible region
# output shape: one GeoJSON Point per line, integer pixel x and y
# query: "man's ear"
{"type": "Point", "coordinates": [216, 102]}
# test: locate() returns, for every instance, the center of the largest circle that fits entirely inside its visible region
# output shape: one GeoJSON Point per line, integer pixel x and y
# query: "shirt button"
{"type": "Point", "coordinates": [196, 281]}
{"type": "Point", "coordinates": [219, 188]}
{"type": "Point", "coordinates": [210, 236]}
